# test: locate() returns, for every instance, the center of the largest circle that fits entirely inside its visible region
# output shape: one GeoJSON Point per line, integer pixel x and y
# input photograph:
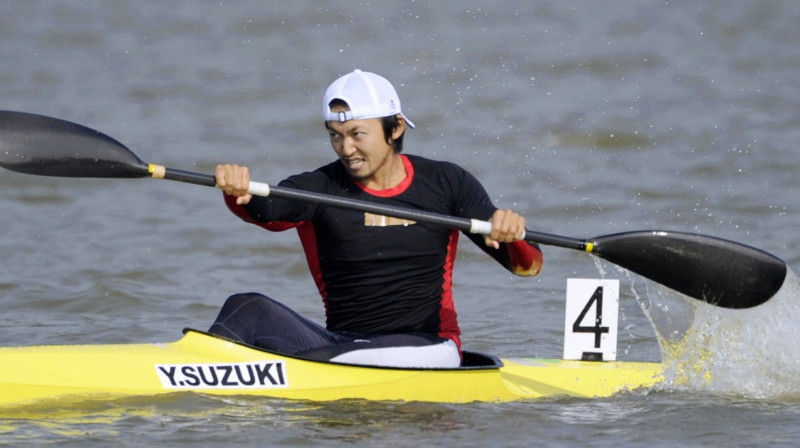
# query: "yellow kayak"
{"type": "Point", "coordinates": [205, 364]}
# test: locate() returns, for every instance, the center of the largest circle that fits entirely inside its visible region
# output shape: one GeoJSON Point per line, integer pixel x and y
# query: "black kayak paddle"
{"type": "Point", "coordinates": [714, 270]}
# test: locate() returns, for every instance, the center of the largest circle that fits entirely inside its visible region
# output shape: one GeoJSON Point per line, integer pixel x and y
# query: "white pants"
{"type": "Point", "coordinates": [444, 355]}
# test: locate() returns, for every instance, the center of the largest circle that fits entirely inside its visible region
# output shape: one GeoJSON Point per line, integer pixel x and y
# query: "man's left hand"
{"type": "Point", "coordinates": [507, 226]}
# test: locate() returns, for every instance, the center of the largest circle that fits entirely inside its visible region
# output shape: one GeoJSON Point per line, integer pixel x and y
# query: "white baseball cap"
{"type": "Point", "coordinates": [367, 95]}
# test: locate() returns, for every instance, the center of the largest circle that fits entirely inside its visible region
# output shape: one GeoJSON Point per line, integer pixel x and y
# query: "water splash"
{"type": "Point", "coordinates": [753, 353]}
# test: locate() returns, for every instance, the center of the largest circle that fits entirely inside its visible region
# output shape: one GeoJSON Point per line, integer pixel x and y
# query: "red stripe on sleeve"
{"type": "Point", "coordinates": [525, 259]}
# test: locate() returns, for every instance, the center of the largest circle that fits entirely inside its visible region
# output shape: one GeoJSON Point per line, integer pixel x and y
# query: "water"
{"type": "Point", "coordinates": [589, 118]}
{"type": "Point", "coordinates": [731, 352]}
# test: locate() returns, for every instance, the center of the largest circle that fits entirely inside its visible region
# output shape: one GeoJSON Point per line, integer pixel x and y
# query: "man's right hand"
{"type": "Point", "coordinates": [234, 180]}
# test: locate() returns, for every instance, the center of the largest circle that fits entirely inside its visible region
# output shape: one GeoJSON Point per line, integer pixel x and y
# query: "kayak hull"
{"type": "Point", "coordinates": [206, 364]}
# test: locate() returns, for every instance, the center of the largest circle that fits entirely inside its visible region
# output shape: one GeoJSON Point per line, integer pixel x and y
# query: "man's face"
{"type": "Point", "coordinates": [361, 147]}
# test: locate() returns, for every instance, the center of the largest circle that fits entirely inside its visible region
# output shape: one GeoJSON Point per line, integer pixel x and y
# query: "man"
{"type": "Point", "coordinates": [386, 283]}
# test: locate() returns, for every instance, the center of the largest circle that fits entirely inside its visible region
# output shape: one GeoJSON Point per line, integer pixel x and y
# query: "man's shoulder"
{"type": "Point", "coordinates": [425, 165]}
{"type": "Point", "coordinates": [316, 178]}
{"type": "Point", "coordinates": [454, 183]}
{"type": "Point", "coordinates": [328, 169]}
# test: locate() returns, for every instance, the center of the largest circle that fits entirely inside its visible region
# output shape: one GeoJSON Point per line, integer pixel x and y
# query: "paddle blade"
{"type": "Point", "coordinates": [717, 271]}
{"type": "Point", "coordinates": [46, 146]}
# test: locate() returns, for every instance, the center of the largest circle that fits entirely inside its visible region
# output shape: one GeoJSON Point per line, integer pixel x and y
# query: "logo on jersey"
{"type": "Point", "coordinates": [371, 220]}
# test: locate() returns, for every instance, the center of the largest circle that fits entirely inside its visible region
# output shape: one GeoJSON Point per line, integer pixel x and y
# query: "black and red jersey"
{"type": "Point", "coordinates": [382, 275]}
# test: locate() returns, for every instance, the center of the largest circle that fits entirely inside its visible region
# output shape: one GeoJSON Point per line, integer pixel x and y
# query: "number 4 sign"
{"type": "Point", "coordinates": [590, 326]}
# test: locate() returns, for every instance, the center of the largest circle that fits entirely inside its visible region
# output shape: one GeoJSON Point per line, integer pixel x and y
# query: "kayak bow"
{"type": "Point", "coordinates": [206, 364]}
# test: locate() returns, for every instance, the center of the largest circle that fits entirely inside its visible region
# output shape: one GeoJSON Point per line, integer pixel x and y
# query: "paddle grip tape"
{"type": "Point", "coordinates": [480, 227]}
{"type": "Point", "coordinates": [258, 189]}
{"type": "Point", "coordinates": [484, 227]}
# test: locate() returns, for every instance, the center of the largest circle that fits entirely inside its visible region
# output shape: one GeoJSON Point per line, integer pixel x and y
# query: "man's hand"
{"type": "Point", "coordinates": [507, 226]}
{"type": "Point", "coordinates": [234, 180]}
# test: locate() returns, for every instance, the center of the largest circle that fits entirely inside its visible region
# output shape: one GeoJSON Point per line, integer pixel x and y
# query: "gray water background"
{"type": "Point", "coordinates": [589, 118]}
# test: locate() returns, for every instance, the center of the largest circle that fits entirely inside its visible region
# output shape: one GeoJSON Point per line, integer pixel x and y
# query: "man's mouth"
{"type": "Point", "coordinates": [353, 163]}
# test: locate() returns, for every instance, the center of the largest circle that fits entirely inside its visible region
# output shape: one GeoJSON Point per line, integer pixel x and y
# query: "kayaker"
{"type": "Point", "coordinates": [386, 283]}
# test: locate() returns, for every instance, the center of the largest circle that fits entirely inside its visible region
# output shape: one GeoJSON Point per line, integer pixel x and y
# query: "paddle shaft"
{"type": "Point", "coordinates": [464, 224]}
{"type": "Point", "coordinates": [713, 270]}
{"type": "Point", "coordinates": [709, 269]}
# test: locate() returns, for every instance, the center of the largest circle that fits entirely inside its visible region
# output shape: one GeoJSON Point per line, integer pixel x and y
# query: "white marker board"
{"type": "Point", "coordinates": [590, 324]}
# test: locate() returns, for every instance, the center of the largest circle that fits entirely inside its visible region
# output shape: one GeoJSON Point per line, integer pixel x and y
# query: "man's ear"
{"type": "Point", "coordinates": [399, 129]}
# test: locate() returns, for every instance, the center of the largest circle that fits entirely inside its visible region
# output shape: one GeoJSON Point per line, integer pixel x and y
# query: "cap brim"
{"type": "Point", "coordinates": [408, 122]}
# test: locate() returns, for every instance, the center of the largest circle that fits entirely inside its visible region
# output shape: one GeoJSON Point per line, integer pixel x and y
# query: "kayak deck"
{"type": "Point", "coordinates": [206, 364]}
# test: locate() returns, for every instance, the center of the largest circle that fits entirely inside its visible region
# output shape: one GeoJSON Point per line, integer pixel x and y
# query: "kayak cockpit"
{"type": "Point", "coordinates": [471, 360]}
{"type": "Point", "coordinates": [477, 360]}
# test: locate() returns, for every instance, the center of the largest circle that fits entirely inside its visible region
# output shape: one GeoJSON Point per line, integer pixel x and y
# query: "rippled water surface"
{"type": "Point", "coordinates": [590, 118]}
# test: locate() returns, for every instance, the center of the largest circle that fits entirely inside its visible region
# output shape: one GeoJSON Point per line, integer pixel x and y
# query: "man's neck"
{"type": "Point", "coordinates": [392, 174]}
